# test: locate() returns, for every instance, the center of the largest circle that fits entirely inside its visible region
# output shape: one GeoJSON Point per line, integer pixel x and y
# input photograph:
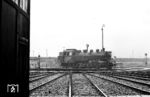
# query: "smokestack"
{"type": "Point", "coordinates": [87, 46]}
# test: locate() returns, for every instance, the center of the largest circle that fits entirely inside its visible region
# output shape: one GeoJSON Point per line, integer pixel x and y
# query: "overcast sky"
{"type": "Point", "coordinates": [62, 24]}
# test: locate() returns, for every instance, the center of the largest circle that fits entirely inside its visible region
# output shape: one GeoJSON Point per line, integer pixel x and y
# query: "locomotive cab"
{"type": "Point", "coordinates": [69, 52]}
{"type": "Point", "coordinates": [66, 56]}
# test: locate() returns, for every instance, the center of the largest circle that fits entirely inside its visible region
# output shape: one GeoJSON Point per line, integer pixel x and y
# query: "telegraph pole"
{"type": "Point", "coordinates": [146, 59]}
{"type": "Point", "coordinates": [102, 37]}
{"type": "Point", "coordinates": [38, 61]}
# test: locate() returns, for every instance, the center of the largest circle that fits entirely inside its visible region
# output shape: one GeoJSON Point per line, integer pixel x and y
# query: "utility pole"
{"type": "Point", "coordinates": [146, 59]}
{"type": "Point", "coordinates": [38, 61]}
{"type": "Point", "coordinates": [102, 37]}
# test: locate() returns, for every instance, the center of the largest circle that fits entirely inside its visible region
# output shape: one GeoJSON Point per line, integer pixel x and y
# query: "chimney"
{"type": "Point", "coordinates": [87, 46]}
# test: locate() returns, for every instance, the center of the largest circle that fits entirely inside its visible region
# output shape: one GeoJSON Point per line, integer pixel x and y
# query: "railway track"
{"type": "Point", "coordinates": [134, 77]}
{"type": "Point", "coordinates": [82, 86]}
{"type": "Point", "coordinates": [96, 87]}
{"type": "Point", "coordinates": [140, 87]}
{"type": "Point", "coordinates": [36, 78]}
{"type": "Point", "coordinates": [138, 80]}
{"type": "Point", "coordinates": [77, 84]}
{"type": "Point", "coordinates": [137, 74]}
{"type": "Point", "coordinates": [71, 84]}
{"type": "Point", "coordinates": [141, 80]}
{"type": "Point", "coordinates": [36, 75]}
{"type": "Point", "coordinates": [41, 82]}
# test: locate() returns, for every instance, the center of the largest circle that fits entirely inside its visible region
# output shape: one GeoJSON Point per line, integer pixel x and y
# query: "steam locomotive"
{"type": "Point", "coordinates": [73, 58]}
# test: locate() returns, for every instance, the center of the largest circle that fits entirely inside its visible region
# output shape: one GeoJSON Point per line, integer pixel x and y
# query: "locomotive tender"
{"type": "Point", "coordinates": [76, 59]}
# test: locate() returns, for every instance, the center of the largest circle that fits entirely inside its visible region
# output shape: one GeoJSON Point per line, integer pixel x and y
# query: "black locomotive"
{"type": "Point", "coordinates": [76, 59]}
{"type": "Point", "coordinates": [73, 58]}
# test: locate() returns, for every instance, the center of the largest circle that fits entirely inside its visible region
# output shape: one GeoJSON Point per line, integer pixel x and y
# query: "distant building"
{"type": "Point", "coordinates": [33, 62]}
{"type": "Point", "coordinates": [45, 62]}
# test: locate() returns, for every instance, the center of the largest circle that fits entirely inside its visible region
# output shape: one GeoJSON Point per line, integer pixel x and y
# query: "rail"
{"type": "Point", "coordinates": [142, 91]}
{"type": "Point", "coordinates": [70, 84]}
{"type": "Point", "coordinates": [96, 87]}
{"type": "Point", "coordinates": [52, 80]}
